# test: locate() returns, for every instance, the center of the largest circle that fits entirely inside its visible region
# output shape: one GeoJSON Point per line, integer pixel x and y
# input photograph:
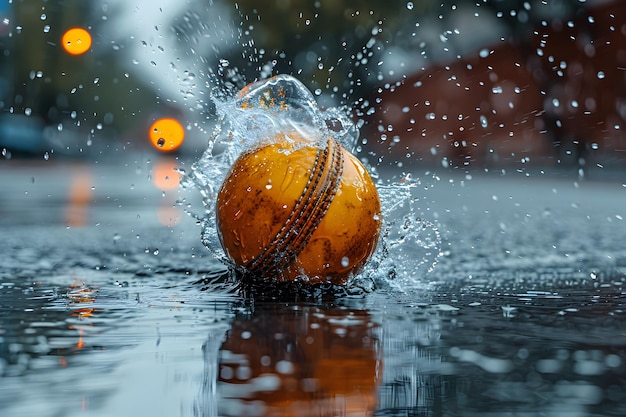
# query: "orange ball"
{"type": "Point", "coordinates": [291, 209]}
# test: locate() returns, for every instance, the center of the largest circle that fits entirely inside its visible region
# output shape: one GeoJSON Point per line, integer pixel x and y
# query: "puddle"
{"type": "Point", "coordinates": [524, 312]}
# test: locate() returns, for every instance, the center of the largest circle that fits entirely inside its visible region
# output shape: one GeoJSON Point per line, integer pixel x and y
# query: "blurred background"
{"type": "Point", "coordinates": [510, 116]}
{"type": "Point", "coordinates": [450, 84]}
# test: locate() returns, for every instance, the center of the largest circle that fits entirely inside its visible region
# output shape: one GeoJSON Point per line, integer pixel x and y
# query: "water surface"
{"type": "Point", "coordinates": [523, 314]}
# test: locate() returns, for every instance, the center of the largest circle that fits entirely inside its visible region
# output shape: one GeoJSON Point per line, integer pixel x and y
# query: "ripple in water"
{"type": "Point", "coordinates": [409, 247]}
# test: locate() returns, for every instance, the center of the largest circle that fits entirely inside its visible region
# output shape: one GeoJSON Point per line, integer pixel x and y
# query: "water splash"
{"type": "Point", "coordinates": [409, 246]}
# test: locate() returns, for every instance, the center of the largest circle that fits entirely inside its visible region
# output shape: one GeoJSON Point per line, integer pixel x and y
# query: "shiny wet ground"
{"type": "Point", "coordinates": [105, 307]}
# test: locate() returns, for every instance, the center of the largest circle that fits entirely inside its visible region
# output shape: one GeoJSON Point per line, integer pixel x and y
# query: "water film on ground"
{"type": "Point", "coordinates": [498, 287]}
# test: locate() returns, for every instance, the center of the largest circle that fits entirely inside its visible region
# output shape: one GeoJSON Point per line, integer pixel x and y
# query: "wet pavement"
{"type": "Point", "coordinates": [110, 305]}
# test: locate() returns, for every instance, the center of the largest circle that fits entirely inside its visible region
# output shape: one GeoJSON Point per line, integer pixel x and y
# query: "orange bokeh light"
{"type": "Point", "coordinates": [79, 198]}
{"type": "Point", "coordinates": [165, 176]}
{"type": "Point", "coordinates": [168, 215]}
{"type": "Point", "coordinates": [76, 41]}
{"type": "Point", "coordinates": [166, 134]}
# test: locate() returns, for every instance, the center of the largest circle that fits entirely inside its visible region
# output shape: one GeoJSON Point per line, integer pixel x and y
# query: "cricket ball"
{"type": "Point", "coordinates": [296, 209]}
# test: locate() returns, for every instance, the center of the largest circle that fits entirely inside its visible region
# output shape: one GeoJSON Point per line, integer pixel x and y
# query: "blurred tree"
{"type": "Point", "coordinates": [91, 91]}
{"type": "Point", "coordinates": [332, 45]}
{"type": "Point", "coordinates": [522, 16]}
{"type": "Point", "coordinates": [338, 46]}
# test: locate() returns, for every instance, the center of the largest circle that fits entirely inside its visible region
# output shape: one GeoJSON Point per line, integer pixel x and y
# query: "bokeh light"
{"type": "Point", "coordinates": [76, 41]}
{"type": "Point", "coordinates": [79, 197]}
{"type": "Point", "coordinates": [166, 134]}
{"type": "Point", "coordinates": [165, 176]}
{"type": "Point", "coordinates": [168, 215]}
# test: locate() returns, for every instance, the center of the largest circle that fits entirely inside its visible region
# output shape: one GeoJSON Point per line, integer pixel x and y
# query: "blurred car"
{"type": "Point", "coordinates": [21, 133]}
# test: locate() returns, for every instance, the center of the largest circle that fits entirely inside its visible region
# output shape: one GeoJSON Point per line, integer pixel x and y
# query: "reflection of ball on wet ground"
{"type": "Point", "coordinates": [296, 208]}
{"type": "Point", "coordinates": [300, 360]}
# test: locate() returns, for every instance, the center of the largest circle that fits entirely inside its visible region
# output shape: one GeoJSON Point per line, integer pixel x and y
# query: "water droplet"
{"type": "Point", "coordinates": [497, 90]}
{"type": "Point", "coordinates": [161, 142]}
{"type": "Point", "coordinates": [600, 74]}
{"type": "Point", "coordinates": [409, 5]}
{"type": "Point", "coordinates": [345, 261]}
{"type": "Point", "coordinates": [508, 311]}
{"type": "Point", "coordinates": [46, 156]}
